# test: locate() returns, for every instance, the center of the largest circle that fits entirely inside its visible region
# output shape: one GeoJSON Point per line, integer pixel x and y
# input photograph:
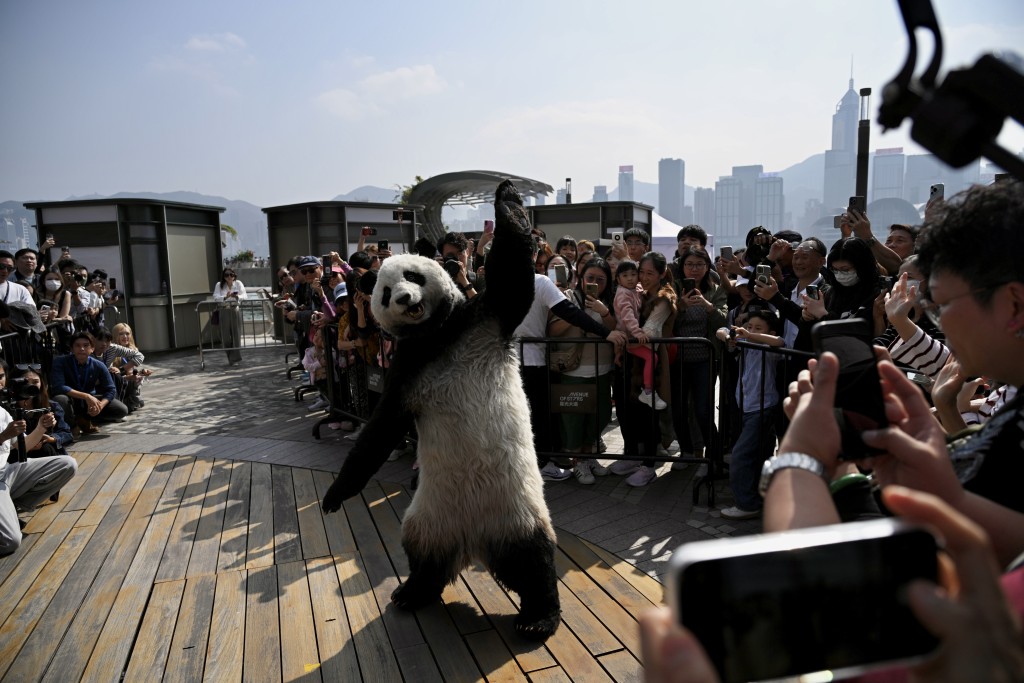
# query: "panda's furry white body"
{"type": "Point", "coordinates": [455, 375]}
{"type": "Point", "coordinates": [474, 443]}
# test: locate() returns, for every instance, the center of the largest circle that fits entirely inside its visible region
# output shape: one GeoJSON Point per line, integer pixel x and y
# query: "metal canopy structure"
{"type": "Point", "coordinates": [465, 187]}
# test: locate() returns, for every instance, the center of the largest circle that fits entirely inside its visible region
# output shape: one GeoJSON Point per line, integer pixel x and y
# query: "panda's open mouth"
{"type": "Point", "coordinates": [415, 311]}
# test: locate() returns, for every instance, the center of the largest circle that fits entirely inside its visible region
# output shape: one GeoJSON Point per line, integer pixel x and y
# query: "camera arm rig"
{"type": "Point", "coordinates": [959, 118]}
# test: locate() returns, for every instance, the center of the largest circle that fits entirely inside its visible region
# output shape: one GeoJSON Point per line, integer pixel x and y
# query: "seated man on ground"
{"type": "Point", "coordinates": [83, 386]}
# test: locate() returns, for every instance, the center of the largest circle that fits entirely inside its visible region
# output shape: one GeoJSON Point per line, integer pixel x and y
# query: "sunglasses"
{"type": "Point", "coordinates": [34, 367]}
{"type": "Point", "coordinates": [5, 267]}
{"type": "Point", "coordinates": [308, 271]}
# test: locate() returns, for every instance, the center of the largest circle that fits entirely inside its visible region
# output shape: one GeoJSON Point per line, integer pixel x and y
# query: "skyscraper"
{"type": "Point", "coordinates": [626, 183]}
{"type": "Point", "coordinates": [841, 160]}
{"type": "Point", "coordinates": [704, 208]}
{"type": "Point", "coordinates": [887, 174]}
{"type": "Point", "coordinates": [769, 204]}
{"type": "Point", "coordinates": [600, 193]}
{"type": "Point", "coordinates": [560, 196]}
{"type": "Point", "coordinates": [671, 179]}
{"type": "Point", "coordinates": [728, 191]}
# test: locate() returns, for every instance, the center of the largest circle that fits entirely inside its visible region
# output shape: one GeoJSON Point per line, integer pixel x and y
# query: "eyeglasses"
{"type": "Point", "coordinates": [595, 278]}
{"type": "Point", "coordinates": [695, 265]}
{"type": "Point", "coordinates": [6, 267]}
{"type": "Point", "coordinates": [308, 271]}
{"type": "Point", "coordinates": [227, 275]}
{"type": "Point", "coordinates": [34, 367]}
{"type": "Point", "coordinates": [636, 243]}
{"type": "Point", "coordinates": [934, 311]}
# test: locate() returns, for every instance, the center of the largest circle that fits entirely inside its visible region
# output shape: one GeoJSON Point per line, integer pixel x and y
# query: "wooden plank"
{"type": "Point", "coordinates": [227, 629]}
{"type": "Point", "coordinates": [8, 563]}
{"type": "Point", "coordinates": [262, 660]}
{"type": "Point", "coordinates": [114, 642]}
{"type": "Point", "coordinates": [453, 656]}
{"type": "Point", "coordinates": [149, 656]}
{"type": "Point", "coordinates": [622, 666]}
{"type": "Point", "coordinates": [573, 656]}
{"type": "Point", "coordinates": [104, 498]}
{"type": "Point", "coordinates": [337, 655]}
{"type": "Point", "coordinates": [26, 614]}
{"type": "Point", "coordinates": [401, 625]}
{"type": "Point", "coordinates": [105, 465]}
{"type": "Point", "coordinates": [463, 608]}
{"type": "Point", "coordinates": [376, 658]}
{"type": "Point", "coordinates": [85, 596]}
{"type": "Point", "coordinates": [18, 583]}
{"type": "Point", "coordinates": [206, 547]}
{"type": "Point", "coordinates": [389, 525]}
{"type": "Point", "coordinates": [618, 575]}
{"type": "Point", "coordinates": [553, 675]}
{"type": "Point", "coordinates": [311, 521]}
{"type": "Point", "coordinates": [502, 611]}
{"type": "Point", "coordinates": [339, 534]}
{"type": "Point", "coordinates": [49, 511]}
{"type": "Point", "coordinates": [495, 660]}
{"type": "Point", "coordinates": [591, 613]}
{"type": "Point", "coordinates": [417, 664]}
{"type": "Point", "coordinates": [187, 656]}
{"type": "Point", "coordinates": [260, 551]}
{"type": "Point", "coordinates": [235, 536]}
{"type": "Point", "coordinates": [182, 534]}
{"type": "Point", "coordinates": [287, 546]}
{"type": "Point", "coordinates": [299, 658]}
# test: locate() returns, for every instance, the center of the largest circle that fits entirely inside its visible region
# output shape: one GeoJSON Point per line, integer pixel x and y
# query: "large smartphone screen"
{"type": "Point", "coordinates": [832, 607]}
{"type": "Point", "coordinates": [859, 403]}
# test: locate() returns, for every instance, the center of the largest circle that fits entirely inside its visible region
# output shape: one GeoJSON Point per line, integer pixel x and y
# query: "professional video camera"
{"type": "Point", "coordinates": [18, 390]}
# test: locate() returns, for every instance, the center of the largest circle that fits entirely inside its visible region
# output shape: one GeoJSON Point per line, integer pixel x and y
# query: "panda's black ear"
{"type": "Point", "coordinates": [367, 281]}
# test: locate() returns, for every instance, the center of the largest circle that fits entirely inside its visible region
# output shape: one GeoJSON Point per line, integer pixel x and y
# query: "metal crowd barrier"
{"type": "Point", "coordinates": [19, 348]}
{"type": "Point", "coordinates": [240, 325]}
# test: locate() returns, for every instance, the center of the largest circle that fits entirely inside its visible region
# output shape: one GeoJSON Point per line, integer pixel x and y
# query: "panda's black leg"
{"type": "Point", "coordinates": [527, 567]}
{"type": "Point", "coordinates": [428, 575]}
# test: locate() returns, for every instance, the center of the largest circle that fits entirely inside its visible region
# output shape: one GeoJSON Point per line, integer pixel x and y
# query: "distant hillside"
{"type": "Point", "coordinates": [808, 175]}
{"type": "Point", "coordinates": [369, 193]}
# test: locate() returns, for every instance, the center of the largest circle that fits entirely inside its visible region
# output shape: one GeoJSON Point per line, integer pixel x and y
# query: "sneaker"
{"type": "Point", "coordinates": [597, 469]}
{"type": "Point", "coordinates": [647, 397]}
{"type": "Point", "coordinates": [739, 513]}
{"type": "Point", "coordinates": [642, 477]}
{"type": "Point", "coordinates": [659, 404]}
{"type": "Point", "coordinates": [355, 434]}
{"type": "Point", "coordinates": [552, 472]}
{"type": "Point", "coordinates": [345, 425]}
{"type": "Point", "coordinates": [677, 466]}
{"type": "Point", "coordinates": [334, 425]}
{"type": "Point", "coordinates": [702, 471]}
{"type": "Point", "coordinates": [318, 404]}
{"type": "Point", "coordinates": [601, 445]}
{"type": "Point", "coordinates": [582, 473]}
{"type": "Point", "coordinates": [623, 467]}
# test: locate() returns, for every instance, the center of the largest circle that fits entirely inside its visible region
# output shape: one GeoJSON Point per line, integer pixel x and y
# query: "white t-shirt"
{"type": "Point", "coordinates": [5, 446]}
{"type": "Point", "coordinates": [12, 291]}
{"type": "Point", "coordinates": [545, 296]}
{"type": "Point", "coordinates": [220, 292]}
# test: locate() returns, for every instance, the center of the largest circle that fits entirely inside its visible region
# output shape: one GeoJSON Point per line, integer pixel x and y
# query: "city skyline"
{"type": "Point", "coordinates": [267, 105]}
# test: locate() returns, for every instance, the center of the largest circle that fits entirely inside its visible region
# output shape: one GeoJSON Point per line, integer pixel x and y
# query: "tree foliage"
{"type": "Point", "coordinates": [404, 191]}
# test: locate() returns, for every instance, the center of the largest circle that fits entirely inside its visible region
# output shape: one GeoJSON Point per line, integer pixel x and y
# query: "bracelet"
{"type": "Point", "coordinates": [845, 481]}
{"type": "Point", "coordinates": [788, 460]}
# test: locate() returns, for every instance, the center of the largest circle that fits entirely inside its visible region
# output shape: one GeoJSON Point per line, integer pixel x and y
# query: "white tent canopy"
{"type": "Point", "coordinates": [663, 236]}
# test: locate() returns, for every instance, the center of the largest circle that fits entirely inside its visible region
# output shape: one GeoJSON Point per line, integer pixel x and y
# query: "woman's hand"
{"type": "Point", "coordinates": [814, 309]}
{"type": "Point", "coordinates": [642, 338]}
{"type": "Point", "coordinates": [900, 301]}
{"type": "Point", "coordinates": [597, 305]}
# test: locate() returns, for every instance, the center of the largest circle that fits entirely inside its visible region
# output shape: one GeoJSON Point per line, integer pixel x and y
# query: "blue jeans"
{"type": "Point", "coordinates": [754, 445]}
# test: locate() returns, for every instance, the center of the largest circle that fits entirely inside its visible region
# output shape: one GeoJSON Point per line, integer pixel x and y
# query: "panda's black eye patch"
{"type": "Point", "coordinates": [414, 277]}
{"type": "Point", "coordinates": [385, 300]}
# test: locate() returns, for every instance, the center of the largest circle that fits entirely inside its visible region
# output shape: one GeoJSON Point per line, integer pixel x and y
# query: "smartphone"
{"type": "Point", "coordinates": [885, 283]}
{"type": "Point", "coordinates": [859, 405]}
{"type": "Point", "coordinates": [937, 192]}
{"type": "Point", "coordinates": [561, 275]}
{"type": "Point", "coordinates": [813, 292]}
{"type": "Point", "coordinates": [590, 288]}
{"type": "Point", "coordinates": [113, 283]}
{"type": "Point", "coordinates": [858, 203]}
{"type": "Point", "coordinates": [837, 222]}
{"type": "Point", "coordinates": [763, 274]}
{"type": "Point", "coordinates": [383, 245]}
{"type": "Point", "coordinates": [616, 237]}
{"type": "Point", "coordinates": [367, 231]}
{"type": "Point", "coordinates": [726, 253]}
{"type": "Point", "coordinates": [326, 263]}
{"type": "Point", "coordinates": [689, 284]}
{"type": "Point", "coordinates": [488, 227]}
{"type": "Point", "coordinates": [830, 598]}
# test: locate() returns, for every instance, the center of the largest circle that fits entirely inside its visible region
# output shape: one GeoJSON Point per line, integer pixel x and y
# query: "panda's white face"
{"type": "Point", "coordinates": [409, 292]}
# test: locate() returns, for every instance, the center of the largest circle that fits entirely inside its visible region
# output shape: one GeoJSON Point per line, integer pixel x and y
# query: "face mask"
{"type": "Point", "coordinates": [52, 285]}
{"type": "Point", "coordinates": [846, 279]}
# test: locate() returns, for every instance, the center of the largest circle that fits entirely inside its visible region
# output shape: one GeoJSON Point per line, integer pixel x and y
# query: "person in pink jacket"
{"type": "Point", "coordinates": [628, 299]}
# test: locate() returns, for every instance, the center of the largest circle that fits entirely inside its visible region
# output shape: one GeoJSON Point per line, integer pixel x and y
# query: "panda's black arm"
{"type": "Point", "coordinates": [509, 265]}
{"type": "Point", "coordinates": [382, 433]}
{"type": "Point", "coordinates": [573, 314]}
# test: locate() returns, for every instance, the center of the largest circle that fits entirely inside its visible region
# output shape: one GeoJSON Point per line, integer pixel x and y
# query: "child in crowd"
{"type": "Point", "coordinates": [757, 435]}
{"type": "Point", "coordinates": [628, 299]}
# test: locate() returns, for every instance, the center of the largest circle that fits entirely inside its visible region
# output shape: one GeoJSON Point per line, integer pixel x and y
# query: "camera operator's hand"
{"type": "Point", "coordinates": [779, 249]}
{"type": "Point", "coordinates": [814, 309]}
{"type": "Point", "coordinates": [768, 291]}
{"type": "Point", "coordinates": [860, 226]}
{"type": "Point", "coordinates": [47, 421]}
{"type": "Point", "coordinates": [16, 428]}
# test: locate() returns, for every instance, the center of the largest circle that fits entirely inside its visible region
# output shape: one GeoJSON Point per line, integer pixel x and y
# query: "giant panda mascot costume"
{"type": "Point", "coordinates": [455, 373]}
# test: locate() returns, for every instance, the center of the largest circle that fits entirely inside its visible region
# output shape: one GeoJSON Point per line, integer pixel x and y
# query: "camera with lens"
{"type": "Point", "coordinates": [18, 389]}
{"type": "Point", "coordinates": [759, 241]}
{"type": "Point", "coordinates": [452, 266]}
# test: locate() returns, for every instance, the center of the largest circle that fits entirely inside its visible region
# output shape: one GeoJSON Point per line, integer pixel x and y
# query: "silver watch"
{"type": "Point", "coordinates": [784, 461]}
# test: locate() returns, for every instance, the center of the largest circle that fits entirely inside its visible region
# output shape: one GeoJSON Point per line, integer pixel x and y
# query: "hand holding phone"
{"type": "Point", "coordinates": [727, 253]}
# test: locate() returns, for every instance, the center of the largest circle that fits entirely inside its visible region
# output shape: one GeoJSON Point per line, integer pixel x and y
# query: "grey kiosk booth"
{"type": "Point", "coordinates": [166, 257]}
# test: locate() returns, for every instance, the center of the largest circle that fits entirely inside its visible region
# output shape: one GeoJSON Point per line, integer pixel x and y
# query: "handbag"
{"type": "Point", "coordinates": [564, 361]}
{"type": "Point", "coordinates": [215, 318]}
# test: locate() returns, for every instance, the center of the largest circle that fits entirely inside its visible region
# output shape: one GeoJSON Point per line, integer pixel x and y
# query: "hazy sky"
{"type": "Point", "coordinates": [281, 102]}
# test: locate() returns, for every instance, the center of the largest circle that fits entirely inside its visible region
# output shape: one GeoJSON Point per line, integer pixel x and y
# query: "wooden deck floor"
{"type": "Point", "coordinates": [178, 568]}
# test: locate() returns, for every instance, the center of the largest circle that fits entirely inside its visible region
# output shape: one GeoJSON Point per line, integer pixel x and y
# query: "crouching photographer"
{"type": "Point", "coordinates": [25, 482]}
{"type": "Point", "coordinates": [31, 404]}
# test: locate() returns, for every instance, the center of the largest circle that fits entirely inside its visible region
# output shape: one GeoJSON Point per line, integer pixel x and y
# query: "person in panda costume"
{"type": "Point", "coordinates": [455, 373]}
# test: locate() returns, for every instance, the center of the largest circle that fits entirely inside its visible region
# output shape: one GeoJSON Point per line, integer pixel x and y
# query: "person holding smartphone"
{"type": "Point", "coordinates": [228, 291]}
